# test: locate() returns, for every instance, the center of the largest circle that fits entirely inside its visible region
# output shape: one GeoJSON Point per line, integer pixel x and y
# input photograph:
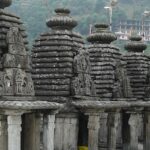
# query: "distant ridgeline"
{"type": "Point", "coordinates": [87, 12]}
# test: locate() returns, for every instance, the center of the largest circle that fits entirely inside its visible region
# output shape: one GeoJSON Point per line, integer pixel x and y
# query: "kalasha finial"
{"type": "Point", "coordinates": [5, 3]}
{"type": "Point", "coordinates": [135, 44]}
{"type": "Point", "coordinates": [62, 20]}
{"type": "Point", "coordinates": [64, 11]}
{"type": "Point", "coordinates": [102, 35]}
{"type": "Point", "coordinates": [101, 27]}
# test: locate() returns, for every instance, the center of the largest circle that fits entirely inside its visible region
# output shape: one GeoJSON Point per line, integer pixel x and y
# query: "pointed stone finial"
{"type": "Point", "coordinates": [5, 3]}
{"type": "Point", "coordinates": [102, 35]}
{"type": "Point", "coordinates": [62, 20]}
{"type": "Point", "coordinates": [135, 44]}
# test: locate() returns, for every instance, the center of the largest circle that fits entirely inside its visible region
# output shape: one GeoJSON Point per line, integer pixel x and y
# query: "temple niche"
{"type": "Point", "coordinates": [82, 82]}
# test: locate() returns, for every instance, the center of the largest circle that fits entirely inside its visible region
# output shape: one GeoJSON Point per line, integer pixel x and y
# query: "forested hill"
{"type": "Point", "coordinates": [35, 12]}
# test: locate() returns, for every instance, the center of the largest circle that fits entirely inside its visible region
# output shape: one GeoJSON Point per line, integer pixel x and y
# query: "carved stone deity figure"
{"type": "Point", "coordinates": [82, 62]}
{"type": "Point", "coordinates": [8, 82]}
{"type": "Point", "coordinates": [122, 88]}
{"type": "Point", "coordinates": [82, 83]}
{"type": "Point", "coordinates": [20, 81]}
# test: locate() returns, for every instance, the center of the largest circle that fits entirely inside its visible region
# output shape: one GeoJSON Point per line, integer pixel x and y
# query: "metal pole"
{"type": "Point", "coordinates": [143, 17]}
{"type": "Point", "coordinates": [110, 15]}
{"type": "Point", "coordinates": [91, 29]}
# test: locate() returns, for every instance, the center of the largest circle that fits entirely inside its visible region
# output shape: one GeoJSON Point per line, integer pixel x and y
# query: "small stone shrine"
{"type": "Point", "coordinates": [137, 67]}
{"type": "Point", "coordinates": [74, 96]}
{"type": "Point", "coordinates": [53, 57]}
{"type": "Point", "coordinates": [138, 71]}
{"type": "Point", "coordinates": [108, 72]}
{"type": "Point", "coordinates": [61, 70]}
{"type": "Point", "coordinates": [107, 65]}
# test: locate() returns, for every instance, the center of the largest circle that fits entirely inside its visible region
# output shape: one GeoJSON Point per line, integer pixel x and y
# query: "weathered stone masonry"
{"type": "Point", "coordinates": [81, 97]}
{"type": "Point", "coordinates": [19, 108]}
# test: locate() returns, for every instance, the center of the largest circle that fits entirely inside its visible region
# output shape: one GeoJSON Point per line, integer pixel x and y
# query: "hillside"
{"type": "Point", "coordinates": [35, 12]}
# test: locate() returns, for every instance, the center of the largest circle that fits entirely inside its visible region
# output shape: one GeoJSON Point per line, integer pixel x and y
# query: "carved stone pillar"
{"type": "Point", "coordinates": [147, 130]}
{"type": "Point", "coordinates": [93, 127]}
{"type": "Point", "coordinates": [48, 133]}
{"type": "Point", "coordinates": [66, 131]}
{"type": "Point", "coordinates": [113, 120]}
{"type": "Point", "coordinates": [119, 144]}
{"type": "Point", "coordinates": [14, 132]}
{"type": "Point", "coordinates": [32, 131]}
{"type": "Point", "coordinates": [103, 131]}
{"type": "Point", "coordinates": [134, 130]}
{"type": "Point", "coordinates": [3, 132]}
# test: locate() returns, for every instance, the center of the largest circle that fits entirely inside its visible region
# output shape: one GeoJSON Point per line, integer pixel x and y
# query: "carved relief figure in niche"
{"type": "Point", "coordinates": [24, 85]}
{"type": "Point", "coordinates": [30, 86]}
{"type": "Point", "coordinates": [82, 83]}
{"type": "Point", "coordinates": [76, 86]}
{"type": "Point", "coordinates": [90, 87]}
{"type": "Point", "coordinates": [8, 82]}
{"type": "Point", "coordinates": [122, 88]}
{"type": "Point", "coordinates": [15, 41]}
{"type": "Point", "coordinates": [83, 66]}
{"type": "Point", "coordinates": [20, 81]}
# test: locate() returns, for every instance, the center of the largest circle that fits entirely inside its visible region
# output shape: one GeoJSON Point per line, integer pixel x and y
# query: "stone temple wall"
{"type": "Point", "coordinates": [89, 96]}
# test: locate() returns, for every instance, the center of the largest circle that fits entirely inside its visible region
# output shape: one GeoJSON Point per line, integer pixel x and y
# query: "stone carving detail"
{"type": "Point", "coordinates": [134, 123]}
{"type": "Point", "coordinates": [17, 82]}
{"type": "Point", "coordinates": [15, 42]}
{"type": "Point", "coordinates": [14, 77]}
{"type": "Point", "coordinates": [20, 81]}
{"type": "Point", "coordinates": [122, 86]}
{"type": "Point", "coordinates": [147, 89]}
{"type": "Point", "coordinates": [14, 61]}
{"type": "Point", "coordinates": [82, 83]}
{"type": "Point", "coordinates": [8, 82]}
{"type": "Point", "coordinates": [30, 85]}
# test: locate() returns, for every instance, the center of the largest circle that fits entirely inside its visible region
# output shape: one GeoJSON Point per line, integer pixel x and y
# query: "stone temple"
{"type": "Point", "coordinates": [71, 94]}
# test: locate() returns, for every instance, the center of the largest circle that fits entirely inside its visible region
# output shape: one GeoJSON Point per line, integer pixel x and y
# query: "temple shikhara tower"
{"type": "Point", "coordinates": [71, 94]}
